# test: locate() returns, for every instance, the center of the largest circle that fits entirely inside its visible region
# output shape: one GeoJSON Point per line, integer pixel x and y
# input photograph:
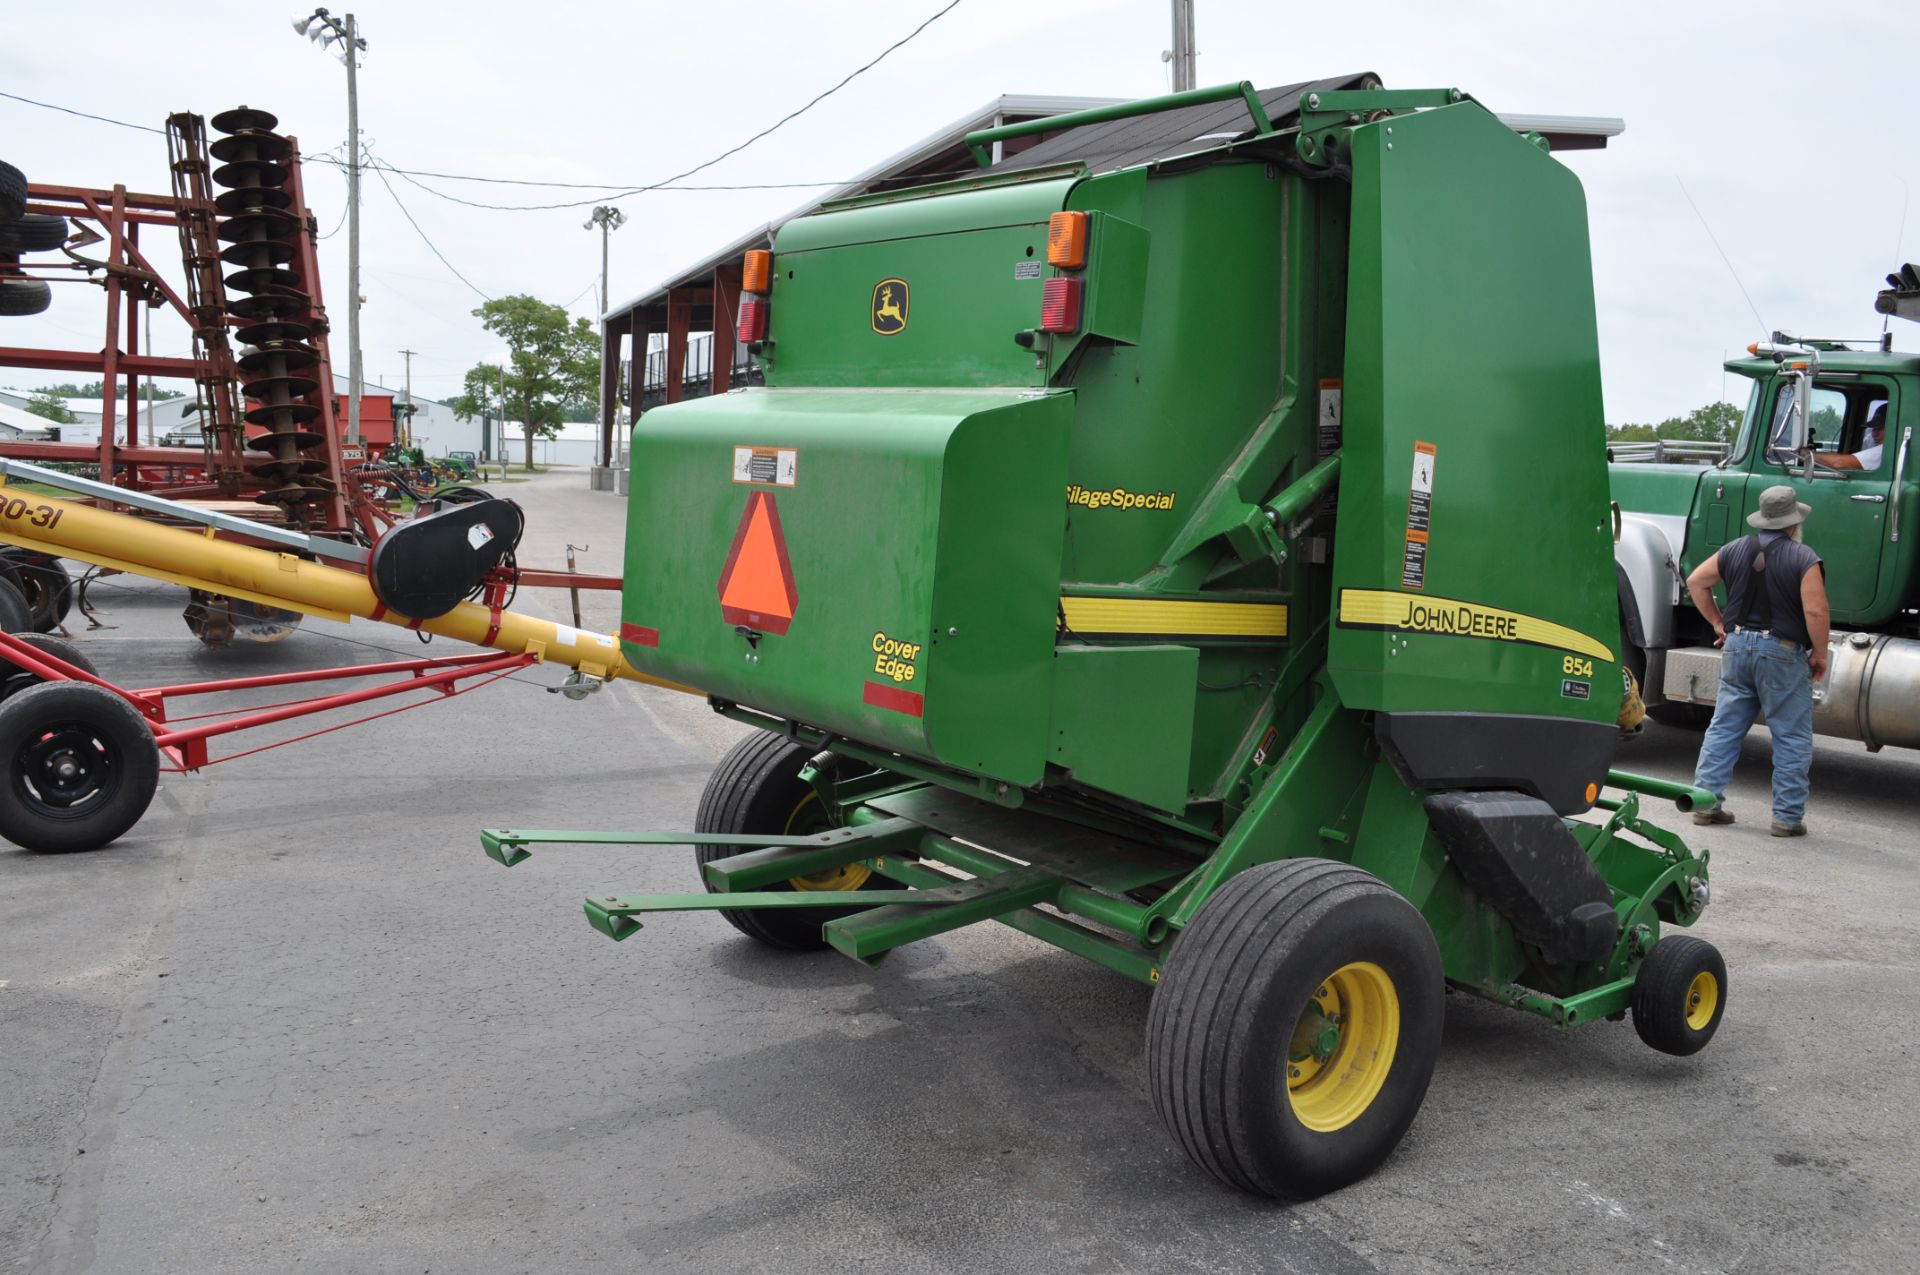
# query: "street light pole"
{"type": "Point", "coordinates": [609, 219]}
{"type": "Point", "coordinates": [1181, 55]}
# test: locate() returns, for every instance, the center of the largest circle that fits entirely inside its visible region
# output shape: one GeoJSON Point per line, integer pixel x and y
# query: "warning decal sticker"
{"type": "Point", "coordinates": [771, 466]}
{"type": "Point", "coordinates": [756, 584]}
{"type": "Point", "coordinates": [1413, 562]}
{"type": "Point", "coordinates": [1327, 427]}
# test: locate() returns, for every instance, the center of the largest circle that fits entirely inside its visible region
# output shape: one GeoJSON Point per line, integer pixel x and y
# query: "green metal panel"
{"type": "Point", "coordinates": [1102, 699]}
{"type": "Point", "coordinates": [1471, 335]}
{"type": "Point", "coordinates": [969, 268]}
{"type": "Point", "coordinates": [923, 530]}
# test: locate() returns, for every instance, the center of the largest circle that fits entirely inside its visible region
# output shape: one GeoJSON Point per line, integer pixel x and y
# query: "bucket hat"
{"type": "Point", "coordinates": [1778, 510]}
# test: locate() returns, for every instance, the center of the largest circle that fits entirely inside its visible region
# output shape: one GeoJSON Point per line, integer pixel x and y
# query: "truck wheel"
{"type": "Point", "coordinates": [1680, 995]}
{"type": "Point", "coordinates": [14, 679]}
{"type": "Point", "coordinates": [756, 789]}
{"type": "Point", "coordinates": [1295, 1027]}
{"type": "Point", "coordinates": [81, 767]}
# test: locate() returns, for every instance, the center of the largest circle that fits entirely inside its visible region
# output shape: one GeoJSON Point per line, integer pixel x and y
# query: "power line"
{"type": "Point", "coordinates": [667, 183]}
{"type": "Point", "coordinates": [423, 234]}
{"type": "Point", "coordinates": [68, 110]}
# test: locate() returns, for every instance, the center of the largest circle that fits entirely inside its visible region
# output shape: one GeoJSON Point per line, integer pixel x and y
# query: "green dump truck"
{"type": "Point", "coordinates": [1185, 543]}
{"type": "Point", "coordinates": [1810, 423]}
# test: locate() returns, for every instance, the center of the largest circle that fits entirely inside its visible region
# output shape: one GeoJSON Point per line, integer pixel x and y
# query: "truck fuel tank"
{"type": "Point", "coordinates": [1871, 693]}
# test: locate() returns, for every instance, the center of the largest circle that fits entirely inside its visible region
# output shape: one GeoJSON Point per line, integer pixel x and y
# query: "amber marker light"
{"type": "Point", "coordinates": [757, 274]}
{"type": "Point", "coordinates": [1067, 240]}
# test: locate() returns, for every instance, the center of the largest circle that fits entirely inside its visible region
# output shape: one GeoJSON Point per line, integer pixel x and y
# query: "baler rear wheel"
{"type": "Point", "coordinates": [14, 679]}
{"type": "Point", "coordinates": [757, 789]}
{"type": "Point", "coordinates": [81, 767]}
{"type": "Point", "coordinates": [1680, 995]}
{"type": "Point", "coordinates": [1295, 1027]}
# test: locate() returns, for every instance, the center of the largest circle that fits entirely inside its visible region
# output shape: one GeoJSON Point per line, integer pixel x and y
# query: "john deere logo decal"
{"type": "Point", "coordinates": [890, 306]}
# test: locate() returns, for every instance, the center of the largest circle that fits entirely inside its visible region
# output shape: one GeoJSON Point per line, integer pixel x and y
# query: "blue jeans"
{"type": "Point", "coordinates": [1762, 675]}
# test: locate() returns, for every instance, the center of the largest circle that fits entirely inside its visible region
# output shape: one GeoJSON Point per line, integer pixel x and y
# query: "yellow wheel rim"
{"type": "Point", "coordinates": [849, 876]}
{"type": "Point", "coordinates": [1343, 1046]}
{"type": "Point", "coordinates": [1703, 997]}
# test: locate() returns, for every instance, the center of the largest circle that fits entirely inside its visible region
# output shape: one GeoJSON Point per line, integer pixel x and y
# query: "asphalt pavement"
{"type": "Point", "coordinates": [295, 1021]}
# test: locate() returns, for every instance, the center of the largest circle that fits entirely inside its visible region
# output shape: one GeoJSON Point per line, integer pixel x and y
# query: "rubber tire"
{"type": "Point", "coordinates": [13, 193]}
{"type": "Point", "coordinates": [34, 232]}
{"type": "Point", "coordinates": [47, 587]}
{"type": "Point", "coordinates": [1693, 717]}
{"type": "Point", "coordinates": [1223, 1015]}
{"type": "Point", "coordinates": [12, 683]}
{"type": "Point", "coordinates": [21, 297]}
{"type": "Point", "coordinates": [15, 615]}
{"type": "Point", "coordinates": [1660, 988]}
{"type": "Point", "coordinates": [123, 735]}
{"type": "Point", "coordinates": [755, 789]}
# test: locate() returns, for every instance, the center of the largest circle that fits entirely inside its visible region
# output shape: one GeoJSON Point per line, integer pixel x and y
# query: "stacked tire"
{"type": "Point", "coordinates": [23, 232]}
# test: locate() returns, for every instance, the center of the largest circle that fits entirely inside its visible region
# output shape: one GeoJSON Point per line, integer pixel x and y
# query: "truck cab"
{"type": "Point", "coordinates": [1810, 423]}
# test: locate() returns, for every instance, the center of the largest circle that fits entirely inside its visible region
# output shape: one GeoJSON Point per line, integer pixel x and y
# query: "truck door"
{"type": "Point", "coordinates": [1848, 524]}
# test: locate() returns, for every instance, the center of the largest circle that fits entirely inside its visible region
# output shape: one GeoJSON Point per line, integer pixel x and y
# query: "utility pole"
{"type": "Point", "coordinates": [1181, 55]}
{"type": "Point", "coordinates": [409, 392]}
{"type": "Point", "coordinates": [324, 29]}
{"type": "Point", "coordinates": [356, 383]}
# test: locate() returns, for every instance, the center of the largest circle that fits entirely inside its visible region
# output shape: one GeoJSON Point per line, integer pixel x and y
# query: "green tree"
{"type": "Point", "coordinates": [67, 389]}
{"type": "Point", "coordinates": [1714, 423]}
{"type": "Point", "coordinates": [44, 403]}
{"type": "Point", "coordinates": [553, 364]}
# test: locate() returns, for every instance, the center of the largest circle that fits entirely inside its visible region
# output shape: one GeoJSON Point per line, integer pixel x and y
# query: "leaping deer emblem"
{"type": "Point", "coordinates": [890, 301]}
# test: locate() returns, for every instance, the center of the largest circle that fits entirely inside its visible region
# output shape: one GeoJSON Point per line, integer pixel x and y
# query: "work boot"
{"type": "Point", "coordinates": [1789, 830]}
{"type": "Point", "coordinates": [1719, 814]}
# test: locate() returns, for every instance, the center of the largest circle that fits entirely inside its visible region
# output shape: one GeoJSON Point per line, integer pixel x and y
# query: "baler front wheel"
{"type": "Point", "coordinates": [757, 790]}
{"type": "Point", "coordinates": [81, 767]}
{"type": "Point", "coordinates": [1295, 1027]}
{"type": "Point", "coordinates": [1680, 995]}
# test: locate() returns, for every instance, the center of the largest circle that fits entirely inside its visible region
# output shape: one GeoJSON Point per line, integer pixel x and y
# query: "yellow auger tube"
{"type": "Point", "coordinates": [199, 561]}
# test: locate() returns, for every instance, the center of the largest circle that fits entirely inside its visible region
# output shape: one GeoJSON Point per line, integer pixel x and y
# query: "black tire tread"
{"type": "Point", "coordinates": [1204, 988]}
{"type": "Point", "coordinates": [15, 615]}
{"type": "Point", "coordinates": [33, 232]}
{"type": "Point", "coordinates": [13, 192]}
{"type": "Point", "coordinates": [21, 297]}
{"type": "Point", "coordinates": [1660, 989]}
{"type": "Point", "coordinates": [27, 712]}
{"type": "Point", "coordinates": [726, 806]}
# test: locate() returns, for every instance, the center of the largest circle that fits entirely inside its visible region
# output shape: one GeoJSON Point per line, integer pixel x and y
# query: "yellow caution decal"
{"type": "Point", "coordinates": [1414, 613]}
{"type": "Point", "coordinates": [1154, 617]}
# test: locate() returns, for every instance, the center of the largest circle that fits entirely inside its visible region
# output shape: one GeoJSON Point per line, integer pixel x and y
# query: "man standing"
{"type": "Point", "coordinates": [1775, 637]}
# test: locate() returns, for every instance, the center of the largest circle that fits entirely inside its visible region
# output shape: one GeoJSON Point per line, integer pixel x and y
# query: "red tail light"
{"type": "Point", "coordinates": [753, 319]}
{"type": "Point", "coordinates": [1060, 305]}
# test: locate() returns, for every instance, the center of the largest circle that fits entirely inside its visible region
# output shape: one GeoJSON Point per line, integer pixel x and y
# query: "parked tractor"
{"type": "Point", "coordinates": [1186, 543]}
{"type": "Point", "coordinates": [1814, 412]}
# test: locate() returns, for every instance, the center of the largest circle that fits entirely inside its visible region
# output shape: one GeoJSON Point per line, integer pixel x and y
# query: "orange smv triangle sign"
{"type": "Point", "coordinates": [756, 585]}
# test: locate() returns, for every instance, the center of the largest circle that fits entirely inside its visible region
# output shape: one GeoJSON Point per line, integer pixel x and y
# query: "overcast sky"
{"type": "Point", "coordinates": [1792, 127]}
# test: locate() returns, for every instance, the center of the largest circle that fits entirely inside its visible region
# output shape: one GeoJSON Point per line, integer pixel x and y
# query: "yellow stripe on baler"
{"type": "Point", "coordinates": [1153, 617]}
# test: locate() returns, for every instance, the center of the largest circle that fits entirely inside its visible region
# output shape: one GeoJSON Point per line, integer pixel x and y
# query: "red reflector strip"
{"type": "Point", "coordinates": [753, 319]}
{"type": "Point", "coordinates": [1060, 305]}
{"type": "Point", "coordinates": [639, 635]}
{"type": "Point", "coordinates": [911, 703]}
